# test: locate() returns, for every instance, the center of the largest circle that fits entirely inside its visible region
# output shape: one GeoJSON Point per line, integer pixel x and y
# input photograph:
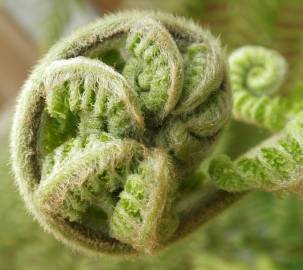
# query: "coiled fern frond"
{"type": "Point", "coordinates": [110, 125]}
{"type": "Point", "coordinates": [256, 75]}
{"type": "Point", "coordinates": [276, 164]}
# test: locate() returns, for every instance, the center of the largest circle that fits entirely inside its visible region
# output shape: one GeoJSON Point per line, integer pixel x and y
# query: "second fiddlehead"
{"type": "Point", "coordinates": [256, 74]}
{"type": "Point", "coordinates": [276, 164]}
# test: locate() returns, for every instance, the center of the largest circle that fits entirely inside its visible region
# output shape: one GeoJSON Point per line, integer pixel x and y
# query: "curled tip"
{"type": "Point", "coordinates": [256, 74]}
{"type": "Point", "coordinates": [256, 69]}
{"type": "Point", "coordinates": [156, 70]}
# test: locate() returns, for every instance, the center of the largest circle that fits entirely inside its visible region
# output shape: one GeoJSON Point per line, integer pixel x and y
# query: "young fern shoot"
{"type": "Point", "coordinates": [256, 74]}
{"type": "Point", "coordinates": [276, 164]}
{"type": "Point", "coordinates": [111, 123]}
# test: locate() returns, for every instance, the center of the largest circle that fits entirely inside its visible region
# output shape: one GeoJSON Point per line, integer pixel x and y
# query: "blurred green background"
{"type": "Point", "coordinates": [261, 231]}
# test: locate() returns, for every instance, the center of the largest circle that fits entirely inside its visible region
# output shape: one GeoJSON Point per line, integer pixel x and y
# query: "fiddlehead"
{"type": "Point", "coordinates": [276, 164]}
{"type": "Point", "coordinates": [111, 123]}
{"type": "Point", "coordinates": [256, 74]}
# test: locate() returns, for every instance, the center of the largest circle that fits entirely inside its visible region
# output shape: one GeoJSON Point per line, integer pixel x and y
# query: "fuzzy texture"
{"type": "Point", "coordinates": [110, 123]}
{"type": "Point", "coordinates": [276, 164]}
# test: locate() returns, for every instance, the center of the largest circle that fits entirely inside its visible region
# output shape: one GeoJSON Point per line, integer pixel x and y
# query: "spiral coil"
{"type": "Point", "coordinates": [110, 123]}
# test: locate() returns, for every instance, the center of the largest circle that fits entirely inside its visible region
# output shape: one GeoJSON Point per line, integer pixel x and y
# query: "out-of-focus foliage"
{"type": "Point", "coordinates": [56, 20]}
